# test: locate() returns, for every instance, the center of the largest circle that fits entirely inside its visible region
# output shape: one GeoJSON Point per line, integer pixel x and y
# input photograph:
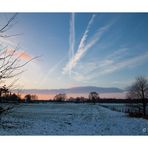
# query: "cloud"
{"type": "Point", "coordinates": [10, 47]}
{"type": "Point", "coordinates": [119, 53]}
{"type": "Point", "coordinates": [23, 55]}
{"type": "Point", "coordinates": [83, 47]}
{"type": "Point", "coordinates": [52, 70]}
{"type": "Point", "coordinates": [54, 67]}
{"type": "Point", "coordinates": [109, 65]}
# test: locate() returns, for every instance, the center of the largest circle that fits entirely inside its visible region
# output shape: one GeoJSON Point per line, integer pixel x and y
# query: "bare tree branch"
{"type": "Point", "coordinates": [8, 24]}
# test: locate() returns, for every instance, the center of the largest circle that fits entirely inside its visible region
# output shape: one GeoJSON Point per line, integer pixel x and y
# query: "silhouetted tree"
{"type": "Point", "coordinates": [27, 98]}
{"type": "Point", "coordinates": [139, 90]}
{"type": "Point", "coordinates": [7, 96]}
{"type": "Point", "coordinates": [71, 99]}
{"type": "Point", "coordinates": [93, 96]}
{"type": "Point", "coordinates": [60, 97]}
{"type": "Point", "coordinates": [14, 98]}
{"type": "Point", "coordinates": [4, 91]}
{"type": "Point", "coordinates": [10, 64]}
{"type": "Point", "coordinates": [77, 99]}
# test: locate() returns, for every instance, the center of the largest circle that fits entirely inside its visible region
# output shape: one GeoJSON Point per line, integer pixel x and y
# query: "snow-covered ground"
{"type": "Point", "coordinates": [70, 119]}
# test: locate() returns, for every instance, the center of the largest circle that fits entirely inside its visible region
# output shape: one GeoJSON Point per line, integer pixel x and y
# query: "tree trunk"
{"type": "Point", "coordinates": [144, 102]}
{"type": "Point", "coordinates": [144, 107]}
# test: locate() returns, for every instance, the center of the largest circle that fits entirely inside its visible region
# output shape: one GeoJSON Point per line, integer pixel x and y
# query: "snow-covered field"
{"type": "Point", "coordinates": [70, 119]}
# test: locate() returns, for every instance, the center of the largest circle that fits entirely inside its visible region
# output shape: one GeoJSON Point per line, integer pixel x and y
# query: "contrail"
{"type": "Point", "coordinates": [84, 37]}
{"type": "Point", "coordinates": [81, 51]}
{"type": "Point", "coordinates": [69, 66]}
{"type": "Point", "coordinates": [71, 38]}
{"type": "Point", "coordinates": [53, 69]}
{"type": "Point", "coordinates": [83, 47]}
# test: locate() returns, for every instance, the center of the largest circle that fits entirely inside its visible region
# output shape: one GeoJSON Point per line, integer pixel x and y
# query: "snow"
{"type": "Point", "coordinates": [70, 119]}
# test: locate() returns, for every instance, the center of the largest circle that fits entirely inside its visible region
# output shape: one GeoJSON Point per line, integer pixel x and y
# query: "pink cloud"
{"type": "Point", "coordinates": [20, 54]}
{"type": "Point", "coordinates": [23, 55]}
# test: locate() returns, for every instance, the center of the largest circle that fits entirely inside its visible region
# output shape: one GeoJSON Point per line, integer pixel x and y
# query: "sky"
{"type": "Point", "coordinates": [79, 49]}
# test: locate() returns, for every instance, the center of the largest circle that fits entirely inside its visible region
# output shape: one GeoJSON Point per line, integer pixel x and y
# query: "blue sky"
{"type": "Point", "coordinates": [81, 49]}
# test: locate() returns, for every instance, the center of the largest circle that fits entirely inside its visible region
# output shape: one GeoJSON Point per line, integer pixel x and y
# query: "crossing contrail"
{"type": "Point", "coordinates": [71, 38]}
{"type": "Point", "coordinates": [83, 47]}
{"type": "Point", "coordinates": [74, 58]}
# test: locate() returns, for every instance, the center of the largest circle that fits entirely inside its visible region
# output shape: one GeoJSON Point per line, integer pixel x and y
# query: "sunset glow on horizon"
{"type": "Point", "coordinates": [102, 95]}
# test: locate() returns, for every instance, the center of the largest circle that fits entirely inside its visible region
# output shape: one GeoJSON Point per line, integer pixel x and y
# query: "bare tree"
{"type": "Point", "coordinates": [29, 98]}
{"type": "Point", "coordinates": [139, 90]}
{"type": "Point", "coordinates": [10, 61]}
{"type": "Point", "coordinates": [93, 96]}
{"type": "Point", "coordinates": [11, 64]}
{"type": "Point", "coordinates": [60, 97]}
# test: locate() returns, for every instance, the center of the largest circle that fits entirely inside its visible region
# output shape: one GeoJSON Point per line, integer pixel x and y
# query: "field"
{"type": "Point", "coordinates": [70, 119]}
